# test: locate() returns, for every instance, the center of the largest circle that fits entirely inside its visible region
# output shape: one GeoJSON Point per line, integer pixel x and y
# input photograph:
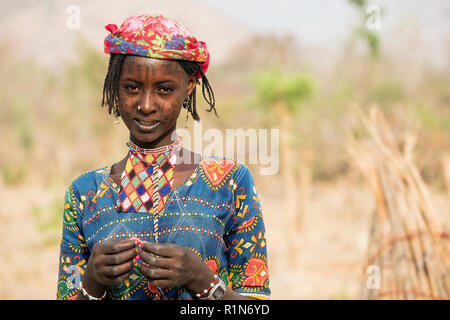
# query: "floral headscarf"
{"type": "Point", "coordinates": [156, 36]}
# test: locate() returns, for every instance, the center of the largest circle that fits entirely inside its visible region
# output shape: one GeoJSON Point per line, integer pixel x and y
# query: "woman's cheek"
{"type": "Point", "coordinates": [170, 110]}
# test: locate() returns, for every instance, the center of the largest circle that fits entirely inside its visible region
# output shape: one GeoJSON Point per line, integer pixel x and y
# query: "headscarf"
{"type": "Point", "coordinates": [156, 36]}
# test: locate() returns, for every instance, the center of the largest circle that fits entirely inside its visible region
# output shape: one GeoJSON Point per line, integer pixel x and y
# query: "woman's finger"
{"type": "Point", "coordinates": [114, 246]}
{"type": "Point", "coordinates": [156, 261]}
{"type": "Point", "coordinates": [155, 273]}
{"type": "Point", "coordinates": [117, 270]}
{"type": "Point", "coordinates": [121, 257]}
{"type": "Point", "coordinates": [160, 249]}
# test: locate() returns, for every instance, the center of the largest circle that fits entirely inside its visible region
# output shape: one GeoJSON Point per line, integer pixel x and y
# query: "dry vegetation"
{"type": "Point", "coordinates": [53, 128]}
{"type": "Point", "coordinates": [409, 244]}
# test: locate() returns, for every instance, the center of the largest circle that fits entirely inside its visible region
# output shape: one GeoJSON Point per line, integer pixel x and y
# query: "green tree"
{"type": "Point", "coordinates": [282, 94]}
{"type": "Point", "coordinates": [369, 37]}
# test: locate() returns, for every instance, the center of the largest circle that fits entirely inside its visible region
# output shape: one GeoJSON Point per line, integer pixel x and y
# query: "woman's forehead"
{"type": "Point", "coordinates": [150, 67]}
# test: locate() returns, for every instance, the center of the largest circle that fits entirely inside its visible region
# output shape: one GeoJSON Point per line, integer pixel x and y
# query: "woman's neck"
{"type": "Point", "coordinates": [165, 139]}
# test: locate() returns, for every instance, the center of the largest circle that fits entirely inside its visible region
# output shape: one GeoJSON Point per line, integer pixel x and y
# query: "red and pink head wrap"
{"type": "Point", "coordinates": [155, 36]}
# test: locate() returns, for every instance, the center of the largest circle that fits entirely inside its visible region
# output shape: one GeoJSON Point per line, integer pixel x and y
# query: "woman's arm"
{"type": "Point", "coordinates": [245, 237]}
{"type": "Point", "coordinates": [73, 250]}
{"type": "Point", "coordinates": [110, 263]}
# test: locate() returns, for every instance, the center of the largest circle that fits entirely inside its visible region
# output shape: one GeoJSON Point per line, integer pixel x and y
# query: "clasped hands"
{"type": "Point", "coordinates": [164, 265]}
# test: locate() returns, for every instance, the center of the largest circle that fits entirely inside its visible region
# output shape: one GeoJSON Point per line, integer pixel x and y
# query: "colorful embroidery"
{"type": "Point", "coordinates": [66, 289]}
{"type": "Point", "coordinates": [70, 215]}
{"type": "Point", "coordinates": [223, 226]}
{"type": "Point", "coordinates": [261, 238]}
{"type": "Point", "coordinates": [256, 272]}
{"type": "Point", "coordinates": [191, 180]}
{"type": "Point", "coordinates": [215, 172]}
{"type": "Point", "coordinates": [80, 246]}
{"type": "Point", "coordinates": [213, 263]}
{"type": "Point", "coordinates": [232, 185]}
{"type": "Point", "coordinates": [235, 273]}
{"type": "Point", "coordinates": [130, 286]}
{"type": "Point", "coordinates": [156, 36]}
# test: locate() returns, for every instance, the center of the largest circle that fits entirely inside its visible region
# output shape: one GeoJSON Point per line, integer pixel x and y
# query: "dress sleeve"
{"type": "Point", "coordinates": [245, 236]}
{"type": "Point", "coordinates": [74, 253]}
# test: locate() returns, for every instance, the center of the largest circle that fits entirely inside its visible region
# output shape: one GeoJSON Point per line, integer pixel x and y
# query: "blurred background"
{"type": "Point", "coordinates": [295, 65]}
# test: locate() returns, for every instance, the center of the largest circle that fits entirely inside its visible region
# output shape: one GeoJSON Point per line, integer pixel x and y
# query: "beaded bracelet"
{"type": "Point", "coordinates": [87, 295]}
{"type": "Point", "coordinates": [206, 291]}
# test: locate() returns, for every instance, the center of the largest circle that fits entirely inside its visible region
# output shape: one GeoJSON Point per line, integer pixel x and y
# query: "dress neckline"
{"type": "Point", "coordinates": [115, 187]}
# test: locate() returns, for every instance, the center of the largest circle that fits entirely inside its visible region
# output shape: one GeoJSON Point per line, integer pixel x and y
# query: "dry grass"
{"type": "Point", "coordinates": [330, 248]}
{"type": "Point", "coordinates": [58, 130]}
{"type": "Point", "coordinates": [408, 243]}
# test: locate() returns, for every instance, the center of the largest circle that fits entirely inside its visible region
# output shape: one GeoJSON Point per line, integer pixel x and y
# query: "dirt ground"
{"type": "Point", "coordinates": [330, 248]}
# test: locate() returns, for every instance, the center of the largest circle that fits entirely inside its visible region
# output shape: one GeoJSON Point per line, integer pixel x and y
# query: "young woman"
{"type": "Point", "coordinates": [164, 222]}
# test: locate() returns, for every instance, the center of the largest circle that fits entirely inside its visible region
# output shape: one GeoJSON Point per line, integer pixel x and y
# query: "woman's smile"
{"type": "Point", "coordinates": [147, 125]}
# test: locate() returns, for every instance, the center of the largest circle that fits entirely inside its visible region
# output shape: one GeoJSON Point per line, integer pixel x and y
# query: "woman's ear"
{"type": "Point", "coordinates": [192, 82]}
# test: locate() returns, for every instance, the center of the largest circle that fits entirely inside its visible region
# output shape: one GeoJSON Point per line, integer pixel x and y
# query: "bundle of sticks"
{"type": "Point", "coordinates": [408, 251]}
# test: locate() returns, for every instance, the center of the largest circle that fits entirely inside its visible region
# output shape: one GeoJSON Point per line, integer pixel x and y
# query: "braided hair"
{"type": "Point", "coordinates": [192, 68]}
{"type": "Point", "coordinates": [111, 85]}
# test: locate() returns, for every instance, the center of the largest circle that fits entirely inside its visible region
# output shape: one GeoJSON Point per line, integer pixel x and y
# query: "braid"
{"type": "Point", "coordinates": [193, 68]}
{"type": "Point", "coordinates": [111, 85]}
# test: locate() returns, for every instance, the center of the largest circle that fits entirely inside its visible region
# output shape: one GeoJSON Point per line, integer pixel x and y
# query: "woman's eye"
{"type": "Point", "coordinates": [165, 90]}
{"type": "Point", "coordinates": [132, 88]}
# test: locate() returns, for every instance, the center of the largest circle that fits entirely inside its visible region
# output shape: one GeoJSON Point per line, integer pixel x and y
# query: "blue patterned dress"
{"type": "Point", "coordinates": [215, 213]}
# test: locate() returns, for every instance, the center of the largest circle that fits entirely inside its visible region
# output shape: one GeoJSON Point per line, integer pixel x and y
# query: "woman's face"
{"type": "Point", "coordinates": [159, 87]}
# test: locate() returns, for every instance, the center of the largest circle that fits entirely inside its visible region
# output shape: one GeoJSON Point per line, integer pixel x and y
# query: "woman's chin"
{"type": "Point", "coordinates": [147, 139]}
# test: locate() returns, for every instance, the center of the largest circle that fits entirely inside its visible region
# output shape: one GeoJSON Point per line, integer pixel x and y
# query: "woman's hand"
{"type": "Point", "coordinates": [110, 263]}
{"type": "Point", "coordinates": [172, 265]}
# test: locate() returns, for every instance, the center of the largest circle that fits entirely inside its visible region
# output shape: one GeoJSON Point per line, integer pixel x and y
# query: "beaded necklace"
{"type": "Point", "coordinates": [147, 179]}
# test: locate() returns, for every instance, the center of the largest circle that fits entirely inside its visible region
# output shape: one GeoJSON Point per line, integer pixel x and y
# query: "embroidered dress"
{"type": "Point", "coordinates": [215, 213]}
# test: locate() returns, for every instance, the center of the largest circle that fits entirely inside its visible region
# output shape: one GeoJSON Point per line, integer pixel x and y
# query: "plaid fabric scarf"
{"type": "Point", "coordinates": [148, 178]}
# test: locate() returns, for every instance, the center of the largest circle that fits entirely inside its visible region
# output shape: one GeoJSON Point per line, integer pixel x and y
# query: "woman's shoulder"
{"type": "Point", "coordinates": [221, 166]}
{"type": "Point", "coordinates": [90, 180]}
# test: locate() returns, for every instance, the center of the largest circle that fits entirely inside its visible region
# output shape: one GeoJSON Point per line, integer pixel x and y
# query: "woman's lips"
{"type": "Point", "coordinates": [147, 125]}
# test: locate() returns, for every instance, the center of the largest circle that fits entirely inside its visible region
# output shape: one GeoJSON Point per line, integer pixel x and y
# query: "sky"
{"type": "Point", "coordinates": [416, 28]}
{"type": "Point", "coordinates": [314, 22]}
{"type": "Point", "coordinates": [327, 23]}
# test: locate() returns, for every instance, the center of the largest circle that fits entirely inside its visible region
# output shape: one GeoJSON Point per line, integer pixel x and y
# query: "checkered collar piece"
{"type": "Point", "coordinates": [149, 155]}
{"type": "Point", "coordinates": [148, 178]}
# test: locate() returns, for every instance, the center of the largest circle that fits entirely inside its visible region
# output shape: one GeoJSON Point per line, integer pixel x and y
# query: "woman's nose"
{"type": "Point", "coordinates": [147, 104]}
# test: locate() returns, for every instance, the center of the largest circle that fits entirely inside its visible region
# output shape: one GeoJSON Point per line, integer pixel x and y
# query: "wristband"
{"type": "Point", "coordinates": [87, 295]}
{"type": "Point", "coordinates": [217, 292]}
{"type": "Point", "coordinates": [206, 291]}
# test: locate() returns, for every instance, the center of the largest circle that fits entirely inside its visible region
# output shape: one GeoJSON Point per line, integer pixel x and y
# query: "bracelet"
{"type": "Point", "coordinates": [87, 295]}
{"type": "Point", "coordinates": [206, 291]}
